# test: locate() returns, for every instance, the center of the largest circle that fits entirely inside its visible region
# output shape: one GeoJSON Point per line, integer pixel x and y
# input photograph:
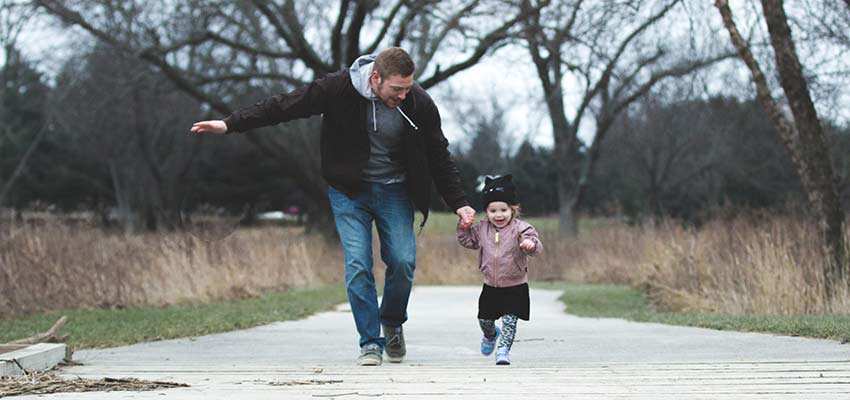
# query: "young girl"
{"type": "Point", "coordinates": [504, 243]}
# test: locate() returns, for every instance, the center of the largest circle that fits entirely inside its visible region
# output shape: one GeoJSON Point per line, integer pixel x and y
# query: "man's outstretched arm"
{"type": "Point", "coordinates": [303, 102]}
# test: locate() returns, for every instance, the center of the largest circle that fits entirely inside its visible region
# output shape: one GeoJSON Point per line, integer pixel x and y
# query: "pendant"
{"type": "Point", "coordinates": [497, 237]}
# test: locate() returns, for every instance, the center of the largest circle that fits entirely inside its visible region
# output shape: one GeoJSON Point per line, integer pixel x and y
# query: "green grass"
{"type": "Point", "coordinates": [615, 301]}
{"type": "Point", "coordinates": [106, 328]}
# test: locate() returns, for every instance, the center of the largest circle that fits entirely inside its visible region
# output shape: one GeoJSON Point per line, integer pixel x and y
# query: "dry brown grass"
{"type": "Point", "coordinates": [54, 265]}
{"type": "Point", "coordinates": [739, 266]}
{"type": "Point", "coordinates": [744, 265]}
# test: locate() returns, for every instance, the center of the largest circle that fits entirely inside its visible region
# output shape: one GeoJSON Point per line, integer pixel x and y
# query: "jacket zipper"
{"type": "Point", "coordinates": [496, 261]}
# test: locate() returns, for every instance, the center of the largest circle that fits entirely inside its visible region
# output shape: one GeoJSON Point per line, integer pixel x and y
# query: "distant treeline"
{"type": "Point", "coordinates": [687, 159]}
{"type": "Point", "coordinates": [110, 135]}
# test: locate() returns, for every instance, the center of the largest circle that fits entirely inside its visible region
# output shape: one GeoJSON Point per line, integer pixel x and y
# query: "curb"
{"type": "Point", "coordinates": [37, 357]}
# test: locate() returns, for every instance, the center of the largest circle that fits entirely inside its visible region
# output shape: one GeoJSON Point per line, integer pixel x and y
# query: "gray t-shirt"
{"type": "Point", "coordinates": [385, 127]}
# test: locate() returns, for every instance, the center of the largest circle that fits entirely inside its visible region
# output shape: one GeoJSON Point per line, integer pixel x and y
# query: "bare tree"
{"type": "Point", "coordinates": [800, 132]}
{"type": "Point", "coordinates": [609, 49]}
{"type": "Point", "coordinates": [672, 148]}
{"type": "Point", "coordinates": [112, 110]}
{"type": "Point", "coordinates": [222, 52]}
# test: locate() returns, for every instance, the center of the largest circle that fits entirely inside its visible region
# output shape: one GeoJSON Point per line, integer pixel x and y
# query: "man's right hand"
{"type": "Point", "coordinates": [215, 126]}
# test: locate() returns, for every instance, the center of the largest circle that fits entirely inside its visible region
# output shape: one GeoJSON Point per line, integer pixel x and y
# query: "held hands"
{"type": "Point", "coordinates": [466, 215]}
{"type": "Point", "coordinates": [527, 245]}
{"type": "Point", "coordinates": [215, 126]}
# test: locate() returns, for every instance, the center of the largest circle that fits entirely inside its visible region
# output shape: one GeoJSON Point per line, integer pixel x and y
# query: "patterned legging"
{"type": "Point", "coordinates": [488, 326]}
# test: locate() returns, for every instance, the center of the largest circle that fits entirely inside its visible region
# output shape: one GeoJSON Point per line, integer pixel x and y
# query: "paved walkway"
{"type": "Point", "coordinates": [556, 356]}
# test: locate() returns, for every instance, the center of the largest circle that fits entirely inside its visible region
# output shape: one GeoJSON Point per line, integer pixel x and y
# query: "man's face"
{"type": "Point", "coordinates": [391, 90]}
{"type": "Point", "coordinates": [499, 213]}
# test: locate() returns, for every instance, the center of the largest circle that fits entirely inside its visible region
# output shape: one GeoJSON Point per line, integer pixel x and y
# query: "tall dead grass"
{"type": "Point", "coordinates": [757, 264]}
{"type": "Point", "coordinates": [746, 265]}
{"type": "Point", "coordinates": [54, 265]}
{"type": "Point", "coordinates": [741, 266]}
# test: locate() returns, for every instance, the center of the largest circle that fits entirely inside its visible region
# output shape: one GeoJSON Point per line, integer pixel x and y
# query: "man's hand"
{"type": "Point", "coordinates": [466, 215]}
{"type": "Point", "coordinates": [527, 245]}
{"type": "Point", "coordinates": [215, 126]}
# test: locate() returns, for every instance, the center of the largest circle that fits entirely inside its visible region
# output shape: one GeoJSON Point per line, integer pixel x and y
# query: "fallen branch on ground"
{"type": "Point", "coordinates": [44, 383]}
{"type": "Point", "coordinates": [51, 336]}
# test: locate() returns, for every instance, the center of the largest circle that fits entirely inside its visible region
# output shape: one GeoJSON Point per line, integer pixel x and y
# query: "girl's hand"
{"type": "Point", "coordinates": [527, 245]}
{"type": "Point", "coordinates": [464, 225]}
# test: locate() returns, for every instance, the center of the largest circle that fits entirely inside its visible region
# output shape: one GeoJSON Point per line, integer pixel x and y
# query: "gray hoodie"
{"type": "Point", "coordinates": [385, 126]}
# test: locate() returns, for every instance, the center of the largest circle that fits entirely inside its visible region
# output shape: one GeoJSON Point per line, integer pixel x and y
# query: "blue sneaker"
{"type": "Point", "coordinates": [487, 345]}
{"type": "Point", "coordinates": [502, 357]}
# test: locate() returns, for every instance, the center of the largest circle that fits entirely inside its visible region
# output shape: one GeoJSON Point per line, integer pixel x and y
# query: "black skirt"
{"type": "Point", "coordinates": [496, 302]}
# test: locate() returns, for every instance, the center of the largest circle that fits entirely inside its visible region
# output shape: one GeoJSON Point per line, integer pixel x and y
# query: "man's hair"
{"type": "Point", "coordinates": [394, 61]}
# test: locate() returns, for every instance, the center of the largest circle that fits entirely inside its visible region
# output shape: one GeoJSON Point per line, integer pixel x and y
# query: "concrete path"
{"type": "Point", "coordinates": [556, 356]}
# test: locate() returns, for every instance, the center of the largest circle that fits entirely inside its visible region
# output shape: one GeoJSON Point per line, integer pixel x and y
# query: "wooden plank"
{"type": "Point", "coordinates": [37, 357]}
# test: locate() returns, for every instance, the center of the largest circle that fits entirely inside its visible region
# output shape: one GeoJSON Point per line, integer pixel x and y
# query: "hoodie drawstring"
{"type": "Point", "coordinates": [374, 117]}
{"type": "Point", "coordinates": [408, 119]}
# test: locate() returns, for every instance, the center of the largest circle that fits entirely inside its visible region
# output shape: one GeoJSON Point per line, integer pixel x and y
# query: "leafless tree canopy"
{"type": "Point", "coordinates": [225, 53]}
{"type": "Point", "coordinates": [615, 52]}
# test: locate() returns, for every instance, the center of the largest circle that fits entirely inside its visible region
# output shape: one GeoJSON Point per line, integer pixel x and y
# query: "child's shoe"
{"type": "Point", "coordinates": [487, 345]}
{"type": "Point", "coordinates": [502, 357]}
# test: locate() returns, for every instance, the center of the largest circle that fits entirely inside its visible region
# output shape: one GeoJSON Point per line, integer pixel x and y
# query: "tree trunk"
{"type": "Point", "coordinates": [565, 163]}
{"type": "Point", "coordinates": [804, 139]}
{"type": "Point", "coordinates": [567, 217]}
{"type": "Point", "coordinates": [815, 167]}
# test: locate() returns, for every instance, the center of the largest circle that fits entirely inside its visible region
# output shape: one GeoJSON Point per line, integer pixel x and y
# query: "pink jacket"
{"type": "Point", "coordinates": [501, 261]}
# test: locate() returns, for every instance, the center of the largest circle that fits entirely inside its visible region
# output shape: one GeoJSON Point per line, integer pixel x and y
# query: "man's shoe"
{"type": "Point", "coordinates": [502, 357]}
{"type": "Point", "coordinates": [487, 345]}
{"type": "Point", "coordinates": [370, 355]}
{"type": "Point", "coordinates": [395, 343]}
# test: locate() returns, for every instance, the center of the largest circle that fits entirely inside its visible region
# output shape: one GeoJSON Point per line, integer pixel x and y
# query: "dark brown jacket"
{"type": "Point", "coordinates": [345, 145]}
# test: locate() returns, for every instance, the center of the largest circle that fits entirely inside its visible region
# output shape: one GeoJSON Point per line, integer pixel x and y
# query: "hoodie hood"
{"type": "Point", "coordinates": [360, 70]}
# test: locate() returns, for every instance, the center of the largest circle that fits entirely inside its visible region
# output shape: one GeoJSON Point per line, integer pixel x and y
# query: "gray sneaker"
{"type": "Point", "coordinates": [370, 355]}
{"type": "Point", "coordinates": [395, 343]}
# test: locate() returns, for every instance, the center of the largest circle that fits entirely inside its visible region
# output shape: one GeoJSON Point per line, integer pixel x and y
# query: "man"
{"type": "Point", "coordinates": [382, 145]}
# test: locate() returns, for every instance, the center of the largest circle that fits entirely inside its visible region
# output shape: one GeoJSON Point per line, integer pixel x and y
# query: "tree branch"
{"type": "Point", "coordinates": [250, 50]}
{"type": "Point", "coordinates": [384, 29]}
{"type": "Point", "coordinates": [248, 77]}
{"type": "Point", "coordinates": [448, 26]}
{"type": "Point", "coordinates": [787, 133]}
{"type": "Point", "coordinates": [609, 68]}
{"type": "Point", "coordinates": [336, 35]}
{"type": "Point", "coordinates": [294, 38]}
{"type": "Point", "coordinates": [485, 44]}
{"type": "Point", "coordinates": [677, 71]}
{"type": "Point", "coordinates": [411, 14]}
{"type": "Point", "coordinates": [364, 7]}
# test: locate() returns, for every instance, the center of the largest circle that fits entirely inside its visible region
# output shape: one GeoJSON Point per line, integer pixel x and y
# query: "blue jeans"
{"type": "Point", "coordinates": [389, 206]}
